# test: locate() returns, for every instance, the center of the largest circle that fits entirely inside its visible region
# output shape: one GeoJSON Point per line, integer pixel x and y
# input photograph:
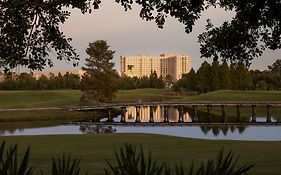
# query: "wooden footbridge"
{"type": "Point", "coordinates": [193, 105]}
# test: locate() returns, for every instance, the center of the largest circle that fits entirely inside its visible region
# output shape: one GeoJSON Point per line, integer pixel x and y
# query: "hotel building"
{"type": "Point", "coordinates": [163, 65]}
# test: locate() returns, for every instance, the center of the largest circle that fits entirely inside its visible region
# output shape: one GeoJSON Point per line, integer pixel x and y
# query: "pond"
{"type": "Point", "coordinates": [159, 114]}
{"type": "Point", "coordinates": [186, 114]}
{"type": "Point", "coordinates": [253, 133]}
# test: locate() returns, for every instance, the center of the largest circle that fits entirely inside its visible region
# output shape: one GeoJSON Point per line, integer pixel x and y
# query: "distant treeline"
{"type": "Point", "coordinates": [153, 81]}
{"type": "Point", "coordinates": [26, 81]}
{"type": "Point", "coordinates": [216, 76]}
{"type": "Point", "coordinates": [209, 77]}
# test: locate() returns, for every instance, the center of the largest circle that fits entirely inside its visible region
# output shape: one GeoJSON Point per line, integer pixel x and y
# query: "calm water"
{"type": "Point", "coordinates": [173, 115]}
{"type": "Point", "coordinates": [261, 133]}
{"type": "Point", "coordinates": [257, 133]}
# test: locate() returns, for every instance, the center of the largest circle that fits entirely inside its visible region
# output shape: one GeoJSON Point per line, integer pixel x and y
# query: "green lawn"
{"type": "Point", "coordinates": [43, 115]}
{"type": "Point", "coordinates": [36, 99]}
{"type": "Point", "coordinates": [144, 95]}
{"type": "Point", "coordinates": [70, 98]}
{"type": "Point", "coordinates": [94, 149]}
{"type": "Point", "coordinates": [231, 95]}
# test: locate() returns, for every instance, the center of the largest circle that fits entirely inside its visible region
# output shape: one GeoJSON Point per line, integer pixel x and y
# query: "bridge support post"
{"type": "Point", "coordinates": [254, 114]}
{"type": "Point", "coordinates": [166, 114]}
{"type": "Point", "coordinates": [223, 113]}
{"type": "Point", "coordinates": [209, 107]}
{"type": "Point", "coordinates": [181, 113]}
{"type": "Point", "coordinates": [195, 113]}
{"type": "Point", "coordinates": [268, 113]}
{"type": "Point", "coordinates": [109, 117]}
{"type": "Point", "coordinates": [238, 113]}
{"type": "Point", "coordinates": [151, 117]}
{"type": "Point", "coordinates": [137, 114]}
{"type": "Point", "coordinates": [123, 114]}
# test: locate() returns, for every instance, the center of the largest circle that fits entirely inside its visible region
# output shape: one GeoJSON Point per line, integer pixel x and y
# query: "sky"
{"type": "Point", "coordinates": [128, 34]}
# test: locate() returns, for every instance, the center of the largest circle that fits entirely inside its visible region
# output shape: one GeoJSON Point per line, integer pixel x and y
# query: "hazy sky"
{"type": "Point", "coordinates": [128, 34]}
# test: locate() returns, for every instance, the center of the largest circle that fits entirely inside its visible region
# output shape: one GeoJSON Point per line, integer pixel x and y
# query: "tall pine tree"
{"type": "Point", "coordinates": [99, 82]}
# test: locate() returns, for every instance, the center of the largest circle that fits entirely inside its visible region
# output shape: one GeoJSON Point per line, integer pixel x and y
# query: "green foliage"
{"type": "Point", "coordinates": [131, 160]}
{"type": "Point", "coordinates": [223, 165]}
{"type": "Point", "coordinates": [65, 166]}
{"type": "Point", "coordinates": [25, 81]}
{"type": "Point", "coordinates": [99, 83]}
{"type": "Point", "coordinates": [100, 57]}
{"type": "Point", "coordinates": [203, 78]}
{"type": "Point", "coordinates": [30, 29]}
{"type": "Point", "coordinates": [262, 85]}
{"type": "Point", "coordinates": [98, 86]}
{"type": "Point", "coordinates": [224, 76]}
{"type": "Point", "coordinates": [153, 81]}
{"type": "Point", "coordinates": [268, 79]}
{"type": "Point", "coordinates": [255, 27]}
{"type": "Point", "coordinates": [9, 164]}
{"type": "Point", "coordinates": [214, 77]}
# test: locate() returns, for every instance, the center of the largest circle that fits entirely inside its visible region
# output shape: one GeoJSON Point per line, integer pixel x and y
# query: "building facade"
{"type": "Point", "coordinates": [163, 65]}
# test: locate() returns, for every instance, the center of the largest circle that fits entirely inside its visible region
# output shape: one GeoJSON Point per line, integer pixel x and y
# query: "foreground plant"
{"type": "Point", "coordinates": [131, 161]}
{"type": "Point", "coordinates": [223, 165]}
{"type": "Point", "coordinates": [65, 166]}
{"type": "Point", "coordinates": [9, 163]}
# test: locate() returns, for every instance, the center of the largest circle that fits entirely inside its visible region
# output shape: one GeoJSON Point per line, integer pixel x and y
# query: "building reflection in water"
{"type": "Point", "coordinates": [158, 114]}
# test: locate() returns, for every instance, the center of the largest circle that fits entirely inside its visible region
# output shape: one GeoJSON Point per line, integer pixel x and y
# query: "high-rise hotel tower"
{"type": "Point", "coordinates": [165, 64]}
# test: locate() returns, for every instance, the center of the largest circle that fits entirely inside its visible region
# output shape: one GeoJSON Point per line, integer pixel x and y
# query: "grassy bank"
{"type": "Point", "coordinates": [39, 99]}
{"type": "Point", "coordinates": [70, 98]}
{"type": "Point", "coordinates": [231, 95]}
{"type": "Point", "coordinates": [144, 95]}
{"type": "Point", "coordinates": [43, 115]}
{"type": "Point", "coordinates": [94, 149]}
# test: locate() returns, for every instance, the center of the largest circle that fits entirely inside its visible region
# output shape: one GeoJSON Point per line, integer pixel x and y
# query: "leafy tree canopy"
{"type": "Point", "coordinates": [29, 29]}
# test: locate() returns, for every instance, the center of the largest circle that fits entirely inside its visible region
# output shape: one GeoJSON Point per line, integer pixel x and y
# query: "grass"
{"type": "Point", "coordinates": [36, 99]}
{"type": "Point", "coordinates": [144, 95]}
{"type": "Point", "coordinates": [237, 95]}
{"type": "Point", "coordinates": [70, 98]}
{"type": "Point", "coordinates": [43, 115]}
{"type": "Point", "coordinates": [94, 149]}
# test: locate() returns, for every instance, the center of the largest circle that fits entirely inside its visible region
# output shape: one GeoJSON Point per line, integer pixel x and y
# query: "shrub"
{"type": "Point", "coordinates": [9, 161]}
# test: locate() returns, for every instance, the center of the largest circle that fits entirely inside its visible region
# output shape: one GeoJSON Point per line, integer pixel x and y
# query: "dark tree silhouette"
{"type": "Point", "coordinates": [29, 29]}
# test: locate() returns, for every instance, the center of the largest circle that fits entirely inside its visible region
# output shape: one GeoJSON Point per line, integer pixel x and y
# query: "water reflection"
{"type": "Point", "coordinates": [10, 131]}
{"type": "Point", "coordinates": [157, 113]}
{"type": "Point", "coordinates": [217, 130]}
{"type": "Point", "coordinates": [258, 133]}
{"type": "Point", "coordinates": [96, 129]}
{"type": "Point", "coordinates": [180, 114]}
